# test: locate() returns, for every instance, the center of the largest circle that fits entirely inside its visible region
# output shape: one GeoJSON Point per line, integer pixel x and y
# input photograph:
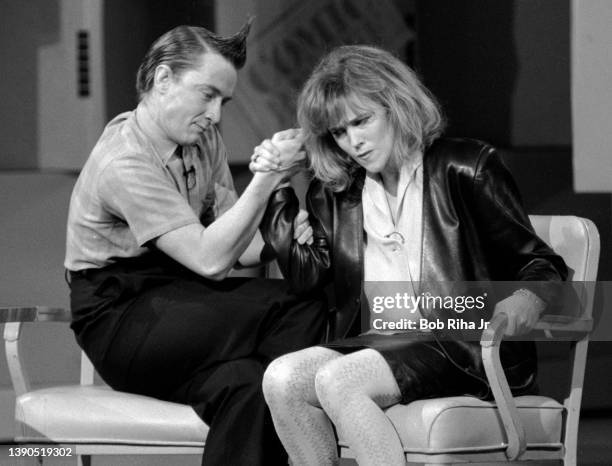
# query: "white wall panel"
{"type": "Point", "coordinates": [592, 94]}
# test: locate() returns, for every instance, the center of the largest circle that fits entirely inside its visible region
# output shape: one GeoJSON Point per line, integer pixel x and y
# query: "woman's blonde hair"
{"type": "Point", "coordinates": [355, 76]}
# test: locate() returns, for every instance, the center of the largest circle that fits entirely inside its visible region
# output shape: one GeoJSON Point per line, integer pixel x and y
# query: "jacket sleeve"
{"type": "Point", "coordinates": [511, 241]}
{"type": "Point", "coordinates": [306, 267]}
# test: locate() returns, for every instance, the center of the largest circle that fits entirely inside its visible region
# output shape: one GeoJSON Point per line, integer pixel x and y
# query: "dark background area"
{"type": "Point", "coordinates": [132, 27]}
{"type": "Point", "coordinates": [466, 56]}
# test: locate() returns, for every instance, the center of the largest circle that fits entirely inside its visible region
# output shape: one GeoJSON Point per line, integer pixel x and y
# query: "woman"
{"type": "Point", "coordinates": [392, 201]}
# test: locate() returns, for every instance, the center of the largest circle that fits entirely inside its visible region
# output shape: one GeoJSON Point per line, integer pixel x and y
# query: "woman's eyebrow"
{"type": "Point", "coordinates": [333, 129]}
{"type": "Point", "coordinates": [354, 120]}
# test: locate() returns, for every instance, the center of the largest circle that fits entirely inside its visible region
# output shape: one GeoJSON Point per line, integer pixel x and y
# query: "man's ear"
{"type": "Point", "coordinates": [162, 78]}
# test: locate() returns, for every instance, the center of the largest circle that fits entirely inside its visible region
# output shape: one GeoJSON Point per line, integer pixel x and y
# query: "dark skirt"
{"type": "Point", "coordinates": [423, 366]}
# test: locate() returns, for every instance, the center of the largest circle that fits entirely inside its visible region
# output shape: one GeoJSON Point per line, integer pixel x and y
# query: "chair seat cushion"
{"type": "Point", "coordinates": [467, 424]}
{"type": "Point", "coordinates": [98, 414]}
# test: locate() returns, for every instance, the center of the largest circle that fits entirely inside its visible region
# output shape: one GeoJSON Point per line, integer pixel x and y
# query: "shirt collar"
{"type": "Point", "coordinates": [160, 147]}
{"type": "Point", "coordinates": [167, 157]}
{"type": "Point", "coordinates": [407, 171]}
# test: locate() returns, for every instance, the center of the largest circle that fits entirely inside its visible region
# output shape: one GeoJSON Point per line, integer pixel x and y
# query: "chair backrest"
{"type": "Point", "coordinates": [576, 239]}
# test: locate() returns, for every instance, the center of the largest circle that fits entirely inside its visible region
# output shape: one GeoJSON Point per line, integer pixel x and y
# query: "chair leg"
{"type": "Point", "coordinates": [571, 446]}
{"type": "Point", "coordinates": [570, 459]}
{"type": "Point", "coordinates": [83, 460]}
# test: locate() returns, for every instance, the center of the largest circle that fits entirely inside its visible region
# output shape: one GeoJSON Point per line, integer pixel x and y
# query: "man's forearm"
{"type": "Point", "coordinates": [213, 251]}
{"type": "Point", "coordinates": [234, 233]}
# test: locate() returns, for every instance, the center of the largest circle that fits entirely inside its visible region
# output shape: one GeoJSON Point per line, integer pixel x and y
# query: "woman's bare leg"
{"type": "Point", "coordinates": [352, 390]}
{"type": "Point", "coordinates": [301, 424]}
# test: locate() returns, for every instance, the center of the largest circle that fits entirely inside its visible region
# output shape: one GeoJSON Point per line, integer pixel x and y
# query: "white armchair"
{"type": "Point", "coordinates": [464, 429]}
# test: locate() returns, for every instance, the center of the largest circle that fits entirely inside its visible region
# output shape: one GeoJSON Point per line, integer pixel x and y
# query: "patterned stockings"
{"type": "Point", "coordinates": [308, 388]}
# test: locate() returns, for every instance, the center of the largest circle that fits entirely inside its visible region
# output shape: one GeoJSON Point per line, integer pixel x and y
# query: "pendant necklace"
{"type": "Point", "coordinates": [395, 234]}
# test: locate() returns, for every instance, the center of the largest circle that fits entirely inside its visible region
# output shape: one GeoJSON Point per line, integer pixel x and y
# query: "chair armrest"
{"type": "Point", "coordinates": [13, 317]}
{"type": "Point", "coordinates": [564, 324]}
{"type": "Point", "coordinates": [490, 341]}
{"type": "Point", "coordinates": [34, 314]}
{"type": "Point", "coordinates": [572, 327]}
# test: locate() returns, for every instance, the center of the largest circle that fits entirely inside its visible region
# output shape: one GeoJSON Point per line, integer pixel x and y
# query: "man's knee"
{"type": "Point", "coordinates": [237, 379]}
{"type": "Point", "coordinates": [232, 385]}
{"type": "Point", "coordinates": [246, 372]}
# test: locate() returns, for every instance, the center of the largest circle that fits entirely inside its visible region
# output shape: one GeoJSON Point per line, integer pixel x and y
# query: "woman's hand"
{"type": "Point", "coordinates": [289, 143]}
{"type": "Point", "coordinates": [523, 309]}
{"type": "Point", "coordinates": [302, 231]}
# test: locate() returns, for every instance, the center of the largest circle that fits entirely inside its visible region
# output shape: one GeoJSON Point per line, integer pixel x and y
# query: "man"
{"type": "Point", "coordinates": [154, 228]}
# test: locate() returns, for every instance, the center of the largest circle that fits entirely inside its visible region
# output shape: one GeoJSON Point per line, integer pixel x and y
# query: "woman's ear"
{"type": "Point", "coordinates": [162, 78]}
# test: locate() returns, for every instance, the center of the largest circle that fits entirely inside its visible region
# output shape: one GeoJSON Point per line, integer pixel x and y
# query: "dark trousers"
{"type": "Point", "coordinates": [161, 331]}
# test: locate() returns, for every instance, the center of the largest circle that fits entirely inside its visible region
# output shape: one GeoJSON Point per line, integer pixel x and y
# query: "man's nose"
{"type": "Point", "coordinates": [213, 112]}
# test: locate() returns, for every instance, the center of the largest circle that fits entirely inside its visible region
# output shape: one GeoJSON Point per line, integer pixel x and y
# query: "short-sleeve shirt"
{"type": "Point", "coordinates": [128, 194]}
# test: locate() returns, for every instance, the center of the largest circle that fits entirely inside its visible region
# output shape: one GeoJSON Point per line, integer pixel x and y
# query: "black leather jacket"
{"type": "Point", "coordinates": [474, 229]}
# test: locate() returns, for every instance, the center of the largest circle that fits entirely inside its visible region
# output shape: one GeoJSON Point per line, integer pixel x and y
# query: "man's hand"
{"type": "Point", "coordinates": [302, 231]}
{"type": "Point", "coordinates": [523, 309]}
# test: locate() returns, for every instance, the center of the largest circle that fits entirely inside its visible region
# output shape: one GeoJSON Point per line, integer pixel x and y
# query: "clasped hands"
{"type": "Point", "coordinates": [285, 153]}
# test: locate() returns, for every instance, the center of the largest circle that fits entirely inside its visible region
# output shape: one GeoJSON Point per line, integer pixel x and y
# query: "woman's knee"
{"type": "Point", "coordinates": [292, 376]}
{"type": "Point", "coordinates": [331, 382]}
{"type": "Point", "coordinates": [281, 377]}
{"type": "Point", "coordinates": [350, 377]}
